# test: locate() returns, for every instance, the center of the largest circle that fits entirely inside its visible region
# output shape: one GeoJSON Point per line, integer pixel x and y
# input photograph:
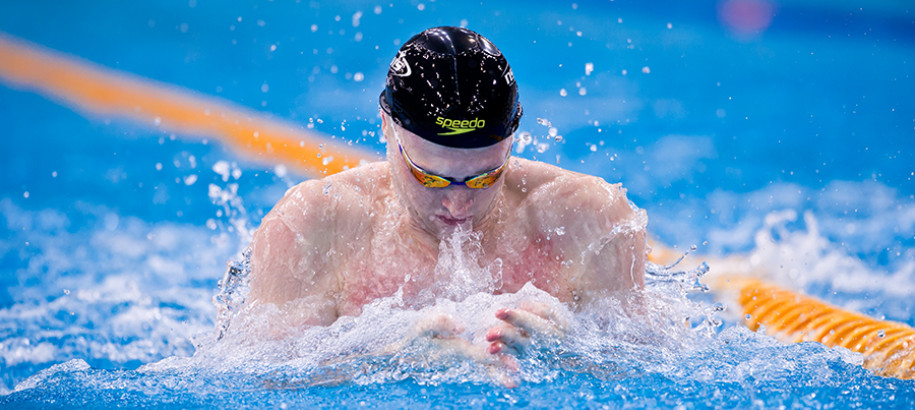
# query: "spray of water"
{"type": "Point", "coordinates": [439, 336]}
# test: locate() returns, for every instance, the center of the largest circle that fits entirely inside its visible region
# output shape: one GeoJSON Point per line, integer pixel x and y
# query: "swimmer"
{"type": "Point", "coordinates": [449, 111]}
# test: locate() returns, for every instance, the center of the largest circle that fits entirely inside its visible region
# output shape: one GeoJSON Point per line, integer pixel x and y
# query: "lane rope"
{"type": "Point", "coordinates": [888, 347]}
{"type": "Point", "coordinates": [91, 88]}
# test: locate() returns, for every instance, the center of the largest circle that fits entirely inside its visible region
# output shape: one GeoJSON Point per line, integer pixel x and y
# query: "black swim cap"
{"type": "Point", "coordinates": [453, 87]}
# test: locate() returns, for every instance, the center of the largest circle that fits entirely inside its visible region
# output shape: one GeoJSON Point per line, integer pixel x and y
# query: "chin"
{"type": "Point", "coordinates": [443, 228]}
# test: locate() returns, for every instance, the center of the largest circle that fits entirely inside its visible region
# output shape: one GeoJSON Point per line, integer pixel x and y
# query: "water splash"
{"type": "Point", "coordinates": [458, 272]}
{"type": "Point", "coordinates": [389, 342]}
{"type": "Point", "coordinates": [671, 341]}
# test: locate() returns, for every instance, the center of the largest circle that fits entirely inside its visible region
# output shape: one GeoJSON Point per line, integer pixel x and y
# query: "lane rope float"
{"type": "Point", "coordinates": [101, 91]}
{"type": "Point", "coordinates": [888, 347]}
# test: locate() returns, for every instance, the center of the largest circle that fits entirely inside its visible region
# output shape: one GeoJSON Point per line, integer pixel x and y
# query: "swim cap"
{"type": "Point", "coordinates": [453, 87]}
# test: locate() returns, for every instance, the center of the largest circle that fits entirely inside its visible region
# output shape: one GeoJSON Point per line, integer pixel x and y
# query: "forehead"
{"type": "Point", "coordinates": [448, 161]}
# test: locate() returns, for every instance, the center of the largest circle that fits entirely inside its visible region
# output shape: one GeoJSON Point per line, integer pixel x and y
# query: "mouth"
{"type": "Point", "coordinates": [452, 221]}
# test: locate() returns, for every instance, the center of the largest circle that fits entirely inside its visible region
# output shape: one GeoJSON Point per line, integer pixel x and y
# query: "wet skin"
{"type": "Point", "coordinates": [332, 245]}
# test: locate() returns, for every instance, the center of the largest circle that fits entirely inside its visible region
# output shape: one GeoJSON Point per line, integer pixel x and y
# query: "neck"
{"type": "Point", "coordinates": [493, 215]}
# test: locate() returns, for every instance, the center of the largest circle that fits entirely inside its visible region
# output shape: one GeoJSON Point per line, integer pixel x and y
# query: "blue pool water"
{"type": "Point", "coordinates": [790, 138]}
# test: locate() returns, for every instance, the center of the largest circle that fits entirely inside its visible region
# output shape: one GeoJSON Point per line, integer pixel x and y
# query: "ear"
{"type": "Point", "coordinates": [384, 120]}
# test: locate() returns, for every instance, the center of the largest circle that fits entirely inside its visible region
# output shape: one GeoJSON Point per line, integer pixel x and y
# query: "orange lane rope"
{"type": "Point", "coordinates": [102, 91]}
{"type": "Point", "coordinates": [888, 347]}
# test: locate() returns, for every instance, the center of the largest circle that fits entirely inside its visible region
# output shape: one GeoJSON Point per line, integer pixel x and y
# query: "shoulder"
{"type": "Point", "coordinates": [557, 198]}
{"type": "Point", "coordinates": [291, 251]}
{"type": "Point", "coordinates": [544, 183]}
{"type": "Point", "coordinates": [338, 198]}
{"type": "Point", "coordinates": [318, 213]}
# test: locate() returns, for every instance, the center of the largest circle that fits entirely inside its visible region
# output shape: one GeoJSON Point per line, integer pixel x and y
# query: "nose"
{"type": "Point", "coordinates": [458, 201]}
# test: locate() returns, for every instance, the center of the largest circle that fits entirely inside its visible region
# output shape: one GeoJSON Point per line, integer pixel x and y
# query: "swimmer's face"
{"type": "Point", "coordinates": [441, 210]}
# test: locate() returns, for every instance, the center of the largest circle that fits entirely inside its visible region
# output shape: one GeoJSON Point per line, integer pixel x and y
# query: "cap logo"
{"type": "Point", "coordinates": [459, 126]}
{"type": "Point", "coordinates": [509, 77]}
{"type": "Point", "coordinates": [399, 66]}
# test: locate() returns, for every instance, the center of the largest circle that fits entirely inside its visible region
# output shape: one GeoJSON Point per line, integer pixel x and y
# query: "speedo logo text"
{"type": "Point", "coordinates": [459, 126]}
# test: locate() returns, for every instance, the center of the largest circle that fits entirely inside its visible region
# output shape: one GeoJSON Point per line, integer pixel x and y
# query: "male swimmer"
{"type": "Point", "coordinates": [449, 110]}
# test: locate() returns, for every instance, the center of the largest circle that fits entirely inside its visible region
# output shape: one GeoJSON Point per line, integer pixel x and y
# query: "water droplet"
{"type": "Point", "coordinates": [326, 189]}
{"type": "Point", "coordinates": [881, 333]}
{"type": "Point", "coordinates": [356, 18]}
{"type": "Point", "coordinates": [748, 316]}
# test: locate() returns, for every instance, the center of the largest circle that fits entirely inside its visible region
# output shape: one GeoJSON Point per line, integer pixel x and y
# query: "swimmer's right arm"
{"type": "Point", "coordinates": [290, 262]}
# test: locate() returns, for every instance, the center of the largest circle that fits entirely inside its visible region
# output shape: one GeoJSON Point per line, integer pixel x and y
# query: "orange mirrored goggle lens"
{"type": "Point", "coordinates": [484, 180]}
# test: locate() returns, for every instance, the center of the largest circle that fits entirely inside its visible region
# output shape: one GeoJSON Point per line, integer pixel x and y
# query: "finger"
{"type": "Point", "coordinates": [506, 371]}
{"type": "Point", "coordinates": [545, 311]}
{"type": "Point", "coordinates": [528, 322]}
{"type": "Point", "coordinates": [497, 347]}
{"type": "Point", "coordinates": [499, 350]}
{"type": "Point", "coordinates": [509, 335]}
{"type": "Point", "coordinates": [510, 362]}
{"type": "Point", "coordinates": [538, 308]}
{"type": "Point", "coordinates": [464, 348]}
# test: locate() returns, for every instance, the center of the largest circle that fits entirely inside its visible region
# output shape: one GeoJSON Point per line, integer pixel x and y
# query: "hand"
{"type": "Point", "coordinates": [444, 333]}
{"type": "Point", "coordinates": [531, 323]}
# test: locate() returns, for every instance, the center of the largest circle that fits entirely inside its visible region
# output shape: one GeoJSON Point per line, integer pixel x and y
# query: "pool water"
{"type": "Point", "coordinates": [780, 130]}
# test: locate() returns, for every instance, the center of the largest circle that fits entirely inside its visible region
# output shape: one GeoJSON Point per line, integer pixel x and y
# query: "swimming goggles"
{"type": "Point", "coordinates": [430, 180]}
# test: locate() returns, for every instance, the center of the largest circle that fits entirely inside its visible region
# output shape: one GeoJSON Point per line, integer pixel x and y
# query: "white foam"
{"type": "Point", "coordinates": [137, 292]}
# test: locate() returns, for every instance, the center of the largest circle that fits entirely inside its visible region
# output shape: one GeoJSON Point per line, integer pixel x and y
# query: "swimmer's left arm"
{"type": "Point", "coordinates": [593, 226]}
{"type": "Point", "coordinates": [615, 257]}
{"type": "Point", "coordinates": [604, 236]}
